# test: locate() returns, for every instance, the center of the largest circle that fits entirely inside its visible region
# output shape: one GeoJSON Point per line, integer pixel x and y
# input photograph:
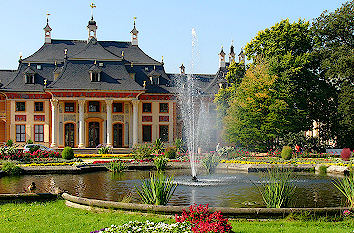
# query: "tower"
{"type": "Point", "coordinates": [241, 56]}
{"type": "Point", "coordinates": [92, 27]}
{"type": "Point", "coordinates": [222, 58]}
{"type": "Point", "coordinates": [182, 69]}
{"type": "Point", "coordinates": [134, 33]}
{"type": "Point", "coordinates": [232, 53]}
{"type": "Point", "coordinates": [47, 32]}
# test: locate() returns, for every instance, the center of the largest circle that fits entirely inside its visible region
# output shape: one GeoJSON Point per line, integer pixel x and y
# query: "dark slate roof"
{"type": "Point", "coordinates": [114, 76]}
{"type": "Point", "coordinates": [94, 51]}
{"type": "Point", "coordinates": [18, 82]}
{"type": "Point", "coordinates": [6, 76]}
{"type": "Point", "coordinates": [75, 48]}
{"type": "Point", "coordinates": [213, 86]}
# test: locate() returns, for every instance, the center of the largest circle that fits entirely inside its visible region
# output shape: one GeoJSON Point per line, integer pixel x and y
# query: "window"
{"type": "Point", "coordinates": [95, 77]}
{"type": "Point", "coordinates": [164, 133]}
{"type": "Point", "coordinates": [164, 107]}
{"type": "Point", "coordinates": [146, 107]}
{"type": "Point", "coordinates": [29, 78]}
{"type": "Point", "coordinates": [38, 106]}
{"type": "Point", "coordinates": [94, 106]}
{"type": "Point", "coordinates": [117, 107]}
{"type": "Point", "coordinates": [20, 133]}
{"type": "Point", "coordinates": [38, 133]}
{"type": "Point", "coordinates": [20, 106]}
{"type": "Point", "coordinates": [147, 133]}
{"type": "Point", "coordinates": [69, 107]}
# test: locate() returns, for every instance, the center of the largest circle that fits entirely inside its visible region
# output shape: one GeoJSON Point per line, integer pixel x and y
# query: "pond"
{"type": "Point", "coordinates": [225, 188]}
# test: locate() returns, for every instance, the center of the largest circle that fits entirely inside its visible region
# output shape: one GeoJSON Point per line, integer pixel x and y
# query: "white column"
{"type": "Point", "coordinates": [109, 122]}
{"type": "Point", "coordinates": [54, 103]}
{"type": "Point", "coordinates": [81, 124]}
{"type": "Point", "coordinates": [135, 120]}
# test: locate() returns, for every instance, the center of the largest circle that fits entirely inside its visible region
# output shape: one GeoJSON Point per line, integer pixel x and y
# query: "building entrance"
{"type": "Point", "coordinates": [118, 135]}
{"type": "Point", "coordinates": [93, 134]}
{"type": "Point", "coordinates": [70, 135]}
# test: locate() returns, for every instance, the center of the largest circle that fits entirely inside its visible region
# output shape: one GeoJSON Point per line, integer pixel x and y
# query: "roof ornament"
{"type": "Point", "coordinates": [222, 62]}
{"type": "Point", "coordinates": [182, 69]}
{"type": "Point", "coordinates": [144, 84]}
{"type": "Point", "coordinates": [162, 60]}
{"type": "Point", "coordinates": [122, 53]}
{"type": "Point", "coordinates": [92, 27]}
{"type": "Point", "coordinates": [131, 64]}
{"type": "Point", "coordinates": [20, 60]}
{"type": "Point", "coordinates": [232, 53]}
{"type": "Point", "coordinates": [47, 31]}
{"type": "Point", "coordinates": [134, 33]}
{"type": "Point", "coordinates": [65, 53]}
{"type": "Point", "coordinates": [95, 62]}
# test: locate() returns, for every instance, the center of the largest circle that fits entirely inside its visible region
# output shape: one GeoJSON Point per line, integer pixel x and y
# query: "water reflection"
{"type": "Point", "coordinates": [226, 188]}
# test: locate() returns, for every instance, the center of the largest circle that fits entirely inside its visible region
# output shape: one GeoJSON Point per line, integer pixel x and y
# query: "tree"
{"type": "Point", "coordinates": [334, 51]}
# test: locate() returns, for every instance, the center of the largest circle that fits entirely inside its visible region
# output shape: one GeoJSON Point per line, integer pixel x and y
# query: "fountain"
{"type": "Point", "coordinates": [193, 111]}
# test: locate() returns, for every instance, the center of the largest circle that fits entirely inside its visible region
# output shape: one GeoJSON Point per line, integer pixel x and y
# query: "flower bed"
{"type": "Point", "coordinates": [124, 161]}
{"type": "Point", "coordinates": [48, 164]}
{"type": "Point", "coordinates": [102, 155]}
{"type": "Point", "coordinates": [28, 156]}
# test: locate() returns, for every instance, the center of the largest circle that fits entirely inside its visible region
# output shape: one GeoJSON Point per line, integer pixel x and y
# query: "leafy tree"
{"type": "Point", "coordinates": [334, 51]}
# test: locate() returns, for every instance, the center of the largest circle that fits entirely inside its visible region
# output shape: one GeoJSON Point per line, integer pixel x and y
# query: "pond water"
{"type": "Point", "coordinates": [225, 188]}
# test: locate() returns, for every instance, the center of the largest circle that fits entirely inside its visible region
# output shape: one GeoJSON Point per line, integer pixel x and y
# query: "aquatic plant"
{"type": "Point", "coordinates": [346, 187]}
{"type": "Point", "coordinates": [157, 190]}
{"type": "Point", "coordinates": [142, 151]}
{"type": "Point", "coordinates": [277, 192]}
{"type": "Point", "coordinates": [117, 166]}
{"type": "Point", "coordinates": [210, 162]}
{"type": "Point", "coordinates": [103, 149]}
{"type": "Point", "coordinates": [160, 163]}
{"type": "Point", "coordinates": [158, 146]}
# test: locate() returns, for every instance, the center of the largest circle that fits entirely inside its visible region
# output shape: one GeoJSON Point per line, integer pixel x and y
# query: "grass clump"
{"type": "Point", "coordinates": [210, 162]}
{"type": "Point", "coordinates": [67, 153]}
{"type": "Point", "coordinates": [160, 163]}
{"type": "Point", "coordinates": [278, 191]}
{"type": "Point", "coordinates": [11, 169]}
{"type": "Point", "coordinates": [117, 167]}
{"type": "Point", "coordinates": [157, 190]}
{"type": "Point", "coordinates": [346, 187]}
{"type": "Point", "coordinates": [287, 152]}
{"type": "Point", "coordinates": [323, 170]}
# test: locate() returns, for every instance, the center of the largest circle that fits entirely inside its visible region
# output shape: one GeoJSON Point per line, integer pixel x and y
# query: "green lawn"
{"type": "Point", "coordinates": [56, 217]}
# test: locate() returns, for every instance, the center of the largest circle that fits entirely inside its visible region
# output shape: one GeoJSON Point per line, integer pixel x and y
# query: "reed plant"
{"type": "Point", "coordinates": [160, 163]}
{"type": "Point", "coordinates": [157, 190]}
{"type": "Point", "coordinates": [210, 162]}
{"type": "Point", "coordinates": [278, 191]}
{"type": "Point", "coordinates": [117, 167]}
{"type": "Point", "coordinates": [346, 187]}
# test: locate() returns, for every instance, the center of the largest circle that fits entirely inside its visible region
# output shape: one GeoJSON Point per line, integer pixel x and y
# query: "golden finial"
{"type": "Point", "coordinates": [47, 16]}
{"type": "Point", "coordinates": [162, 59]}
{"type": "Point", "coordinates": [144, 84]}
{"type": "Point", "coordinates": [45, 82]}
{"type": "Point", "coordinates": [134, 20]}
{"type": "Point", "coordinates": [95, 62]}
{"type": "Point", "coordinates": [92, 6]}
{"type": "Point", "coordinates": [123, 53]}
{"type": "Point", "coordinates": [131, 64]}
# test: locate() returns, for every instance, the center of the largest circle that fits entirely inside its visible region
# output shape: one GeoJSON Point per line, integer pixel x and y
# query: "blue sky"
{"type": "Point", "coordinates": [164, 26]}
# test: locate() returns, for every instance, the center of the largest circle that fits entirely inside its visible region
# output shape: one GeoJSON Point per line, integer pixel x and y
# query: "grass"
{"type": "Point", "coordinates": [56, 217]}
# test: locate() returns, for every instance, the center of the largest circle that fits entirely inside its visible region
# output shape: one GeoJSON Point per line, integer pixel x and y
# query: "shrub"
{"type": "Point", "coordinates": [11, 168]}
{"type": "Point", "coordinates": [34, 148]}
{"type": "Point", "coordinates": [346, 187]}
{"type": "Point", "coordinates": [178, 143]}
{"type": "Point", "coordinates": [345, 154]}
{"type": "Point", "coordinates": [171, 152]}
{"type": "Point", "coordinates": [225, 151]}
{"type": "Point", "coordinates": [158, 146]}
{"type": "Point", "coordinates": [158, 190]}
{"type": "Point", "coordinates": [210, 162]}
{"type": "Point", "coordinates": [286, 153]}
{"type": "Point", "coordinates": [67, 153]}
{"type": "Point", "coordinates": [160, 163]}
{"type": "Point", "coordinates": [117, 167]}
{"type": "Point", "coordinates": [202, 221]}
{"type": "Point", "coordinates": [29, 141]}
{"type": "Point", "coordinates": [142, 151]}
{"type": "Point", "coordinates": [103, 149]}
{"type": "Point", "coordinates": [323, 170]}
{"type": "Point", "coordinates": [9, 142]}
{"type": "Point", "coordinates": [278, 191]}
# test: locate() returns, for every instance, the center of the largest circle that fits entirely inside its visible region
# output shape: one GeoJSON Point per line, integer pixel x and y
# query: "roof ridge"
{"type": "Point", "coordinates": [90, 43]}
{"type": "Point", "coordinates": [13, 79]}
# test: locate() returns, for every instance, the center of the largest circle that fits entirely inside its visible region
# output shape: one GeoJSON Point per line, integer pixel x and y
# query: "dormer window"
{"type": "Point", "coordinates": [95, 73]}
{"type": "Point", "coordinates": [29, 78]}
{"type": "Point", "coordinates": [95, 77]}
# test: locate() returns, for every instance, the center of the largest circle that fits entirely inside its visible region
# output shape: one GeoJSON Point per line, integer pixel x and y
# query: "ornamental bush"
{"type": "Point", "coordinates": [67, 153]}
{"type": "Point", "coordinates": [345, 154]}
{"type": "Point", "coordinates": [171, 152]}
{"type": "Point", "coordinates": [287, 152]}
{"type": "Point", "coordinates": [11, 168]}
{"type": "Point", "coordinates": [202, 221]}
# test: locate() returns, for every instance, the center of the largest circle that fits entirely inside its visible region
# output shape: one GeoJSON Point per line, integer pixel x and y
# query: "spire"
{"type": "Point", "coordinates": [182, 69]}
{"type": "Point", "coordinates": [47, 32]}
{"type": "Point", "coordinates": [241, 56]}
{"type": "Point", "coordinates": [92, 27]}
{"type": "Point", "coordinates": [232, 53]}
{"type": "Point", "coordinates": [134, 33]}
{"type": "Point", "coordinates": [222, 58]}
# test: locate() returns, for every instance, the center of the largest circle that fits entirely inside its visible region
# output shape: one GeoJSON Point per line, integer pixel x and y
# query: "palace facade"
{"type": "Point", "coordinates": [82, 93]}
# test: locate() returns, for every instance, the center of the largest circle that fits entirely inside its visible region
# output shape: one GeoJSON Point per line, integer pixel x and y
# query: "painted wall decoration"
{"type": "Point", "coordinates": [147, 119]}
{"type": "Point", "coordinates": [20, 117]}
{"type": "Point", "coordinates": [11, 95]}
{"type": "Point", "coordinates": [39, 117]}
{"type": "Point", "coordinates": [164, 118]}
{"type": "Point", "coordinates": [157, 97]}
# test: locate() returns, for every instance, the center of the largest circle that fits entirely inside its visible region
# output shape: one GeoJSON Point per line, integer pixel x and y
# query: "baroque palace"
{"type": "Point", "coordinates": [82, 93]}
